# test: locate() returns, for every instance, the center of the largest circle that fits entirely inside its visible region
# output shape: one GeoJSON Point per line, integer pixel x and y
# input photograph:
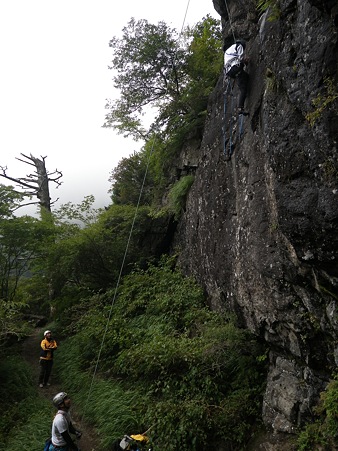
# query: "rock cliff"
{"type": "Point", "coordinates": [260, 230]}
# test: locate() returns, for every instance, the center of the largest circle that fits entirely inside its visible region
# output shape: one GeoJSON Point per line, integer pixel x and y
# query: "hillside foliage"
{"type": "Point", "coordinates": [141, 348]}
{"type": "Point", "coordinates": [176, 361]}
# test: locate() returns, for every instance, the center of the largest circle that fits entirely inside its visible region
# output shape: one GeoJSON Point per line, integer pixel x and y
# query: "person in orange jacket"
{"type": "Point", "coordinates": [48, 346]}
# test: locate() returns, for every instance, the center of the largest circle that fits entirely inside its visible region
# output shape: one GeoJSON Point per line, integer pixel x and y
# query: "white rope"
{"type": "Point", "coordinates": [120, 273]}
{"type": "Point", "coordinates": [185, 16]}
{"type": "Point", "coordinates": [124, 257]}
{"type": "Point", "coordinates": [231, 28]}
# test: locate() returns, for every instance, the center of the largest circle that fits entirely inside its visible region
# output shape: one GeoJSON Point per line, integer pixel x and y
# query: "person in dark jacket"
{"type": "Point", "coordinates": [48, 346]}
{"type": "Point", "coordinates": [234, 62]}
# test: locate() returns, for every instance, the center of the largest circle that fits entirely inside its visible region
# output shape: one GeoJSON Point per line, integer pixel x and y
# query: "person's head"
{"type": "Point", "coordinates": [241, 42]}
{"type": "Point", "coordinates": [61, 401]}
{"type": "Point", "coordinates": [47, 334]}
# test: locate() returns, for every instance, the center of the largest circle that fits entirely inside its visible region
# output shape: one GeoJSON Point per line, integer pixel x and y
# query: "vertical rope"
{"type": "Point", "coordinates": [185, 16]}
{"type": "Point", "coordinates": [124, 257]}
{"type": "Point", "coordinates": [231, 27]}
{"type": "Point", "coordinates": [120, 275]}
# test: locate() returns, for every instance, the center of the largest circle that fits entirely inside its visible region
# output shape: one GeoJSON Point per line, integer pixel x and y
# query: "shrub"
{"type": "Point", "coordinates": [178, 195]}
{"type": "Point", "coordinates": [166, 362]}
{"type": "Point", "coordinates": [323, 432]}
{"type": "Point", "coordinates": [25, 417]}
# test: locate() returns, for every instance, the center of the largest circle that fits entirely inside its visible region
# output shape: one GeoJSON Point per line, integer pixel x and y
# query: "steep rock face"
{"type": "Point", "coordinates": [260, 230]}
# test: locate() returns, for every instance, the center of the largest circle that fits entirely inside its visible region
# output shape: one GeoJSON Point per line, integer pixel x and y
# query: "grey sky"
{"type": "Point", "coordinates": [54, 81]}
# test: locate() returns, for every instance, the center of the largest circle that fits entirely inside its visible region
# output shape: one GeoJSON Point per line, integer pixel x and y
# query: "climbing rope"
{"type": "Point", "coordinates": [185, 16]}
{"type": "Point", "coordinates": [120, 274]}
{"type": "Point", "coordinates": [229, 17]}
{"type": "Point", "coordinates": [125, 253]}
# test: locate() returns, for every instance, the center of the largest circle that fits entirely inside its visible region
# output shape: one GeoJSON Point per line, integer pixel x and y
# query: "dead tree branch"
{"type": "Point", "coordinates": [38, 182]}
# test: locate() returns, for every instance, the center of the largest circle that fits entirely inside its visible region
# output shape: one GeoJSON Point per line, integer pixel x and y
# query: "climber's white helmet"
{"type": "Point", "coordinates": [59, 398]}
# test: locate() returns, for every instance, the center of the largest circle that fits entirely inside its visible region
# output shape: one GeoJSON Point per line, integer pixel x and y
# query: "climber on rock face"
{"type": "Point", "coordinates": [234, 62]}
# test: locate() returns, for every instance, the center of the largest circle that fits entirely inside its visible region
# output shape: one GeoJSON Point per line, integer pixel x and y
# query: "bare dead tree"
{"type": "Point", "coordinates": [37, 183]}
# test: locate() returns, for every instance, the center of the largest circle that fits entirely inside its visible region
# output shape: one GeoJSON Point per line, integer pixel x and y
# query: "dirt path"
{"type": "Point", "coordinates": [31, 351]}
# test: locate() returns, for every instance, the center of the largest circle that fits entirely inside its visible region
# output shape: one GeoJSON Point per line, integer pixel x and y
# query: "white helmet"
{"type": "Point", "coordinates": [47, 332]}
{"type": "Point", "coordinates": [59, 398]}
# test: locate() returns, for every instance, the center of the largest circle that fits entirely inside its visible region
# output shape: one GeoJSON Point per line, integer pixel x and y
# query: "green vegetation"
{"type": "Point", "coordinates": [330, 170]}
{"type": "Point", "coordinates": [178, 195]}
{"type": "Point", "coordinates": [321, 102]}
{"type": "Point", "coordinates": [166, 360]}
{"type": "Point", "coordinates": [172, 73]}
{"type": "Point", "coordinates": [129, 179]}
{"type": "Point", "coordinates": [25, 417]}
{"type": "Point", "coordinates": [272, 6]}
{"type": "Point", "coordinates": [272, 84]}
{"type": "Point", "coordinates": [322, 434]}
{"type": "Point", "coordinates": [172, 76]}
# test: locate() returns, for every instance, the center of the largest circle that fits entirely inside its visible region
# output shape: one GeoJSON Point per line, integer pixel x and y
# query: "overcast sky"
{"type": "Point", "coordinates": [54, 82]}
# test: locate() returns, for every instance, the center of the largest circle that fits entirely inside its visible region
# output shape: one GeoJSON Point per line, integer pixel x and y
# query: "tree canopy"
{"type": "Point", "coordinates": [156, 67]}
{"type": "Point", "coordinates": [9, 200]}
{"type": "Point", "coordinates": [128, 179]}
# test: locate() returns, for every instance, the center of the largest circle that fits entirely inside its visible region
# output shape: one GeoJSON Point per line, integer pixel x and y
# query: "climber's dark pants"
{"type": "Point", "coordinates": [242, 77]}
{"type": "Point", "coordinates": [243, 81]}
{"type": "Point", "coordinates": [45, 370]}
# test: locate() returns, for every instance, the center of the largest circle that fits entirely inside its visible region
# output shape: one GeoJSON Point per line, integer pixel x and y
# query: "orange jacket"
{"type": "Point", "coordinates": [48, 347]}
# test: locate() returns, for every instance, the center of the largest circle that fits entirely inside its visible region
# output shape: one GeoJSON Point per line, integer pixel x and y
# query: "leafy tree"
{"type": "Point", "coordinates": [142, 176]}
{"type": "Point", "coordinates": [174, 74]}
{"type": "Point", "coordinates": [20, 244]}
{"type": "Point", "coordinates": [203, 65]}
{"type": "Point", "coordinates": [9, 201]}
{"type": "Point", "coordinates": [155, 68]}
{"type": "Point", "coordinates": [83, 213]}
{"type": "Point", "coordinates": [89, 258]}
{"type": "Point", "coordinates": [205, 59]}
{"type": "Point", "coordinates": [23, 242]}
{"type": "Point", "coordinates": [149, 62]}
{"type": "Point", "coordinates": [131, 182]}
